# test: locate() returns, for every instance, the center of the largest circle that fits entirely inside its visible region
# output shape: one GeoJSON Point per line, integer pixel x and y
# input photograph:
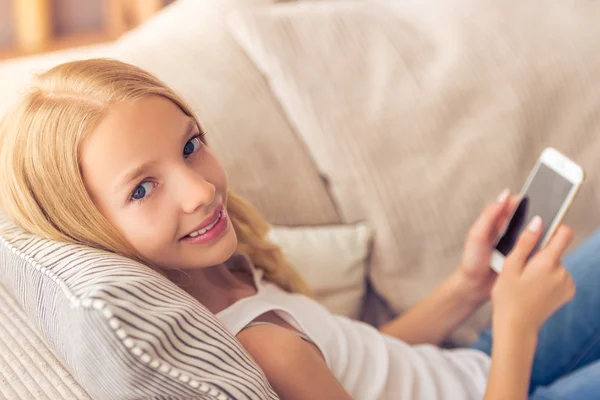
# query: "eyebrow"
{"type": "Point", "coordinates": [135, 173]}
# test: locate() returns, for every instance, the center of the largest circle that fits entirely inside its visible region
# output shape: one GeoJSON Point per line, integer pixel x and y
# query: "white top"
{"type": "Point", "coordinates": [369, 364]}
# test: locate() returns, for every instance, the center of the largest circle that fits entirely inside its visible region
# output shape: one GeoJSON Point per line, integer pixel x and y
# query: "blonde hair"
{"type": "Point", "coordinates": [41, 186]}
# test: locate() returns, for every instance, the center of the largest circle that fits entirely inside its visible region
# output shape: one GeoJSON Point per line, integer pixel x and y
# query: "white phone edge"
{"type": "Point", "coordinates": [566, 168]}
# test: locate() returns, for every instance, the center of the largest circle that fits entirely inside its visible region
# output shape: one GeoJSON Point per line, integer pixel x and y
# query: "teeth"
{"type": "Point", "coordinates": [208, 228]}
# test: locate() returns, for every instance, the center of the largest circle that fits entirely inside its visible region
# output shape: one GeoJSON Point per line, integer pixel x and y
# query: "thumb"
{"type": "Point", "coordinates": [513, 202]}
{"type": "Point", "coordinates": [487, 227]}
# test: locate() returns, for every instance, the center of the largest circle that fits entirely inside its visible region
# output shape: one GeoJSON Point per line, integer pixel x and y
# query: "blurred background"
{"type": "Point", "coordinates": [38, 26]}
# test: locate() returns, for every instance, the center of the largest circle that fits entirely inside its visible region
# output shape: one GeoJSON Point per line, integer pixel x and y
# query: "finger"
{"type": "Point", "coordinates": [504, 195]}
{"type": "Point", "coordinates": [527, 241]}
{"type": "Point", "coordinates": [513, 202]}
{"type": "Point", "coordinates": [559, 243]}
{"type": "Point", "coordinates": [571, 289]}
{"type": "Point", "coordinates": [484, 228]}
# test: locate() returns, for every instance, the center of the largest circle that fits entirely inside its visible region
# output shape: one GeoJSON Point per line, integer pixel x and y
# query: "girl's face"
{"type": "Point", "coordinates": [150, 175]}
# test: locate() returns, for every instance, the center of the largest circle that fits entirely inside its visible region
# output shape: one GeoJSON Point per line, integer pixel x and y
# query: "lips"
{"type": "Point", "coordinates": [207, 222]}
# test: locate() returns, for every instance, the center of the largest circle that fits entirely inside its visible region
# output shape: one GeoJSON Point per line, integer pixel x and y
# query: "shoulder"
{"type": "Point", "coordinates": [293, 366]}
{"type": "Point", "coordinates": [276, 346]}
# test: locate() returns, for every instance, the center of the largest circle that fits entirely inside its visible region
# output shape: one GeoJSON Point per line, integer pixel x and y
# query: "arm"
{"type": "Point", "coordinates": [438, 315]}
{"type": "Point", "coordinates": [525, 295]}
{"type": "Point", "coordinates": [513, 352]}
{"type": "Point", "coordinates": [294, 367]}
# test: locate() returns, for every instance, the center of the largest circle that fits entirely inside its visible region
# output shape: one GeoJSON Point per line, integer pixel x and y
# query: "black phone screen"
{"type": "Point", "coordinates": [544, 196]}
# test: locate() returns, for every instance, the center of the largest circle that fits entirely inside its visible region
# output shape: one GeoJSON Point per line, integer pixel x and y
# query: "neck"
{"type": "Point", "coordinates": [215, 287]}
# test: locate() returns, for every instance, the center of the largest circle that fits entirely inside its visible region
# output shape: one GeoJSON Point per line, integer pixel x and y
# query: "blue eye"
{"type": "Point", "coordinates": [142, 191]}
{"type": "Point", "coordinates": [192, 146]}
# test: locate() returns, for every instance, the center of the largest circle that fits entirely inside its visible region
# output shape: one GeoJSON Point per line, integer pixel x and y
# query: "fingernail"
{"type": "Point", "coordinates": [503, 196]}
{"type": "Point", "coordinates": [535, 224]}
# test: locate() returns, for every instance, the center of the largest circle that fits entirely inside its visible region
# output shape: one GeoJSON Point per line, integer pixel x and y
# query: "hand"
{"type": "Point", "coordinates": [527, 293]}
{"type": "Point", "coordinates": [475, 269]}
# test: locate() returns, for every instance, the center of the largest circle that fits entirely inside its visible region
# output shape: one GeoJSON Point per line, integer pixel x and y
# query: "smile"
{"type": "Point", "coordinates": [208, 227]}
{"type": "Point", "coordinates": [210, 231]}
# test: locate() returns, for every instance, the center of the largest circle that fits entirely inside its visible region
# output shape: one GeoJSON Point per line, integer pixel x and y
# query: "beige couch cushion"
{"type": "Point", "coordinates": [421, 112]}
{"type": "Point", "coordinates": [189, 47]}
{"type": "Point", "coordinates": [332, 259]}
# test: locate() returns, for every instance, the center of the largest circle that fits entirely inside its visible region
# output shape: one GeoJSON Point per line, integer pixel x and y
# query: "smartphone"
{"type": "Point", "coordinates": [548, 192]}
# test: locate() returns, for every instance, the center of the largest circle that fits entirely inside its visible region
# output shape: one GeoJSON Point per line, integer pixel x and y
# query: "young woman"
{"type": "Point", "coordinates": [102, 153]}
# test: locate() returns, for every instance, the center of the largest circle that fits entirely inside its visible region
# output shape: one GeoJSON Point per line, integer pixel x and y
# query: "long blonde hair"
{"type": "Point", "coordinates": [41, 186]}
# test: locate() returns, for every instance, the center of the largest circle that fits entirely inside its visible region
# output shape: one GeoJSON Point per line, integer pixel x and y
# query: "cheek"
{"type": "Point", "coordinates": [214, 172]}
{"type": "Point", "coordinates": [150, 230]}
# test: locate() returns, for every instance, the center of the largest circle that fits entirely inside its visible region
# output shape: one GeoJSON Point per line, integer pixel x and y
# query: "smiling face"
{"type": "Point", "coordinates": [150, 174]}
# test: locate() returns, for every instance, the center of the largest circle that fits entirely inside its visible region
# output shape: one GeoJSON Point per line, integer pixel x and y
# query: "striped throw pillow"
{"type": "Point", "coordinates": [123, 330]}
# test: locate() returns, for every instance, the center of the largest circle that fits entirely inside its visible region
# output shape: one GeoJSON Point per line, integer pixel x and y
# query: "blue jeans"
{"type": "Point", "coordinates": [567, 360]}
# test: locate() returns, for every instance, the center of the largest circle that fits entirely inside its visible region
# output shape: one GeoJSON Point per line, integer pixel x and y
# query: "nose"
{"type": "Point", "coordinates": [194, 191]}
